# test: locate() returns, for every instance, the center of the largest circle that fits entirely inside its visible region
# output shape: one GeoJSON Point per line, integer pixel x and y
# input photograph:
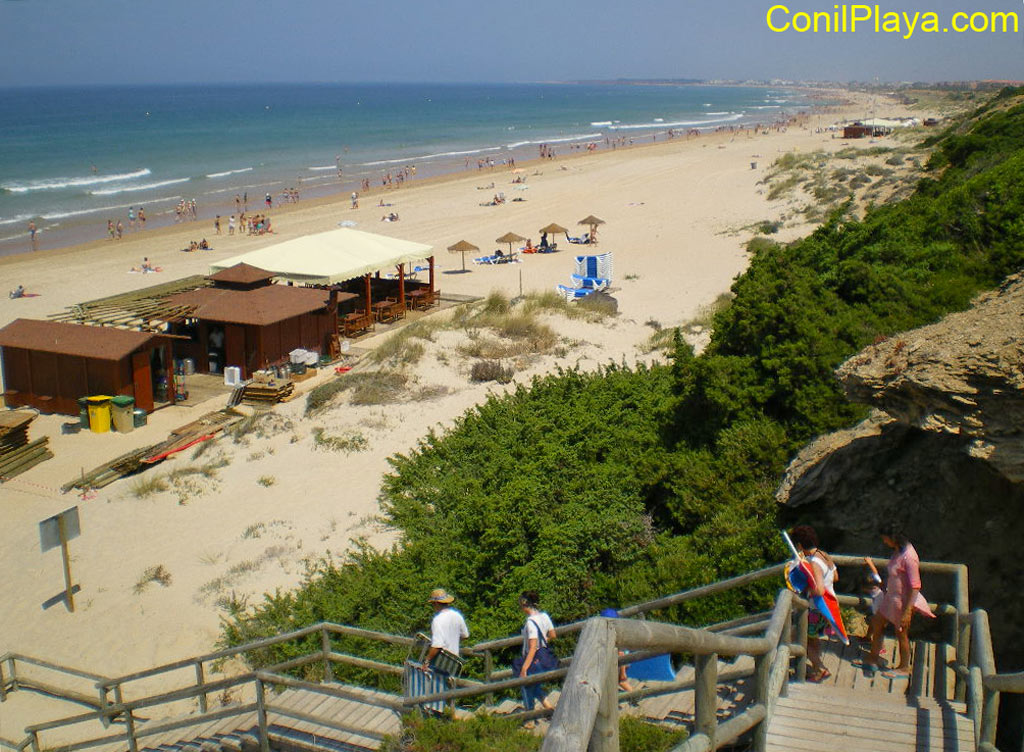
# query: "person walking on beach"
{"type": "Point", "coordinates": [269, 201]}
{"type": "Point", "coordinates": [447, 628]}
{"type": "Point", "coordinates": [231, 225]}
{"type": "Point", "coordinates": [142, 218]}
{"type": "Point", "coordinates": [902, 598]}
{"type": "Point", "coordinates": [216, 225]}
{"type": "Point", "coordinates": [120, 229]}
{"type": "Point", "coordinates": [538, 632]}
{"type": "Point", "coordinates": [111, 230]}
{"type": "Point", "coordinates": [238, 204]}
{"type": "Point", "coordinates": [355, 200]}
{"type": "Point", "coordinates": [131, 217]}
{"type": "Point", "coordinates": [32, 233]}
{"type": "Point", "coordinates": [825, 575]}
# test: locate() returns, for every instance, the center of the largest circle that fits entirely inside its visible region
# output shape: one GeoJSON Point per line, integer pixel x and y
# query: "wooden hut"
{"type": "Point", "coordinates": [244, 320]}
{"type": "Point", "coordinates": [48, 365]}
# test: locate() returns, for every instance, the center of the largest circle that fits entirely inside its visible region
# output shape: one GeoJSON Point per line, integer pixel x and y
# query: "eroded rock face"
{"type": "Point", "coordinates": [942, 454]}
{"type": "Point", "coordinates": [962, 376]}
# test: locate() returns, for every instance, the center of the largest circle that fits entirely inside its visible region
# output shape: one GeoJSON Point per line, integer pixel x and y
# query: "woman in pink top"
{"type": "Point", "coordinates": [902, 598]}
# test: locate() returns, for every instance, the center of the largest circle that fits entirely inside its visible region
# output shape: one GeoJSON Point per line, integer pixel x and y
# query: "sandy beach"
{"type": "Point", "coordinates": [677, 215]}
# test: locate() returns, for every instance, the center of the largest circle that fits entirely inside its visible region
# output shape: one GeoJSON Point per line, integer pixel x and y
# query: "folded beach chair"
{"type": "Point", "coordinates": [573, 293]}
{"type": "Point", "coordinates": [578, 241]}
{"type": "Point", "coordinates": [590, 283]}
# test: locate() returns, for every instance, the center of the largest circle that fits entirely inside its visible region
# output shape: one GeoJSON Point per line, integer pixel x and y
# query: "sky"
{"type": "Point", "coordinates": [71, 42]}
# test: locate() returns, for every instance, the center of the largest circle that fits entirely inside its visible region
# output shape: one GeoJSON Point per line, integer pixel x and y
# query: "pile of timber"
{"type": "Point", "coordinates": [181, 438]}
{"type": "Point", "coordinates": [17, 454]}
{"type": "Point", "coordinates": [268, 394]}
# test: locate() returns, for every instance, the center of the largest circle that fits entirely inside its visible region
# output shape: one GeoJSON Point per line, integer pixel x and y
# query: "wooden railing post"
{"type": "Point", "coordinates": [762, 671]}
{"type": "Point", "coordinates": [3, 683]}
{"type": "Point", "coordinates": [325, 648]}
{"type": "Point", "coordinates": [35, 741]}
{"type": "Point", "coordinates": [261, 715]}
{"type": "Point", "coordinates": [975, 701]}
{"type": "Point", "coordinates": [488, 670]}
{"type": "Point", "coordinates": [129, 731]}
{"type": "Point", "coordinates": [605, 736]}
{"type": "Point", "coordinates": [989, 715]}
{"type": "Point", "coordinates": [706, 696]}
{"type": "Point", "coordinates": [12, 669]}
{"type": "Point", "coordinates": [801, 638]}
{"type": "Point", "coordinates": [200, 682]}
{"type": "Point", "coordinates": [963, 656]}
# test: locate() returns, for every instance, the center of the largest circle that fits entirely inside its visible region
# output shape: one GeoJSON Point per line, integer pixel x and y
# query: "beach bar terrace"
{"type": "Point", "coordinates": [245, 320]}
{"type": "Point", "coordinates": [349, 261]}
{"type": "Point", "coordinates": [49, 365]}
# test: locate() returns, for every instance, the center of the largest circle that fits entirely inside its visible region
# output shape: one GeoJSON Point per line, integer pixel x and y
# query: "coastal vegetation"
{"type": "Point", "coordinates": [612, 487]}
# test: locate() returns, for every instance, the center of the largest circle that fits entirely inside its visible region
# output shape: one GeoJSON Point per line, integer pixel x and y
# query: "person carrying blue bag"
{"type": "Point", "coordinates": [536, 657]}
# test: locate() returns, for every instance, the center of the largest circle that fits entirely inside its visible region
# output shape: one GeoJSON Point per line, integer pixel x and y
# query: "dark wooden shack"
{"type": "Point", "coordinates": [244, 320]}
{"type": "Point", "coordinates": [48, 365]}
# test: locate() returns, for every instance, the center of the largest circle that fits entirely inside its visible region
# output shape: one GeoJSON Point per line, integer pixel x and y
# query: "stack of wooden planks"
{"type": "Point", "coordinates": [268, 394]}
{"type": "Point", "coordinates": [181, 438]}
{"type": "Point", "coordinates": [17, 454]}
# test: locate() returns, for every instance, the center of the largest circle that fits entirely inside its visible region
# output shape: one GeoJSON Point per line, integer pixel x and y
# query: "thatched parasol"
{"type": "Point", "coordinates": [463, 247]}
{"type": "Point", "coordinates": [553, 229]}
{"type": "Point", "coordinates": [592, 222]}
{"type": "Point", "coordinates": [510, 238]}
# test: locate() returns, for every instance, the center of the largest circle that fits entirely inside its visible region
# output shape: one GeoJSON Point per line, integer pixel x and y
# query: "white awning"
{"type": "Point", "coordinates": [330, 257]}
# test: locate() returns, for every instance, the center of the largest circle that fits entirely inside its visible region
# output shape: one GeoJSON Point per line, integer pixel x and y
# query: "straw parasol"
{"type": "Point", "coordinates": [510, 238]}
{"type": "Point", "coordinates": [553, 229]}
{"type": "Point", "coordinates": [463, 247]}
{"type": "Point", "coordinates": [592, 222]}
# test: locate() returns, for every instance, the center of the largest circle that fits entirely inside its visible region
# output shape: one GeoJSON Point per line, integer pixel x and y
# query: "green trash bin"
{"type": "Point", "coordinates": [83, 412]}
{"type": "Point", "coordinates": [121, 410]}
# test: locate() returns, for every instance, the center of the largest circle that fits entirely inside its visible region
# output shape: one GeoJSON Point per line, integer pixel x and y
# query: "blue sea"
{"type": "Point", "coordinates": [73, 157]}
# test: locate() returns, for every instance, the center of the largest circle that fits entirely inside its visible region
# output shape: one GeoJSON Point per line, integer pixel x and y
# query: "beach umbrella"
{"type": "Point", "coordinates": [463, 247]}
{"type": "Point", "coordinates": [592, 222]}
{"type": "Point", "coordinates": [510, 238]}
{"type": "Point", "coordinates": [553, 229]}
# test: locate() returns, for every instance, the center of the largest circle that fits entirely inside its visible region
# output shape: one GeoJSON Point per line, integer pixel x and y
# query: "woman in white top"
{"type": "Point", "coordinates": [538, 631]}
{"type": "Point", "coordinates": [825, 576]}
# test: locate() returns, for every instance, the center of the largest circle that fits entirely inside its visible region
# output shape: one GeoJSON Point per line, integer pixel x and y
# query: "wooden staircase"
{"type": "Point", "coordinates": [855, 710]}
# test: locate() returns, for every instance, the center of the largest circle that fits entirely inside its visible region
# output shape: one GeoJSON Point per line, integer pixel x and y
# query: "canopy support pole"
{"type": "Point", "coordinates": [366, 279]}
{"type": "Point", "coordinates": [431, 261]}
{"type": "Point", "coordinates": [401, 286]}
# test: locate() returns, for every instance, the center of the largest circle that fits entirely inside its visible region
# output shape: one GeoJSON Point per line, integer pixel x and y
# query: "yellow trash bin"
{"type": "Point", "coordinates": [99, 413]}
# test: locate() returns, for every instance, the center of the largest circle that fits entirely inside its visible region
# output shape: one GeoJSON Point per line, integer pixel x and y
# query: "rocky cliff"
{"type": "Point", "coordinates": [941, 453]}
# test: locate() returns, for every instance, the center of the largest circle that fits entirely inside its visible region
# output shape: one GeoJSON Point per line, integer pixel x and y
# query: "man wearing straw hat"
{"type": "Point", "coordinates": [447, 628]}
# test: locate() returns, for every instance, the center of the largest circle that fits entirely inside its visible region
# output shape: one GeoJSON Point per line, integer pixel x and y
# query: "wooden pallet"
{"type": "Point", "coordinates": [266, 394]}
{"type": "Point", "coordinates": [16, 461]}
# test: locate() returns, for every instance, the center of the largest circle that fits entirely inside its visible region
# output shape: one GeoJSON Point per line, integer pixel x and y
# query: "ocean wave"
{"type": "Point", "coordinates": [54, 184]}
{"type": "Point", "coordinates": [767, 107]}
{"type": "Point", "coordinates": [562, 140]}
{"type": "Point", "coordinates": [97, 210]}
{"type": "Point", "coordinates": [143, 187]}
{"type": "Point", "coordinates": [678, 124]}
{"type": "Point", "coordinates": [16, 219]}
{"type": "Point", "coordinates": [228, 172]}
{"type": "Point", "coordinates": [602, 123]}
{"type": "Point", "coordinates": [323, 167]}
{"type": "Point", "coordinates": [441, 155]}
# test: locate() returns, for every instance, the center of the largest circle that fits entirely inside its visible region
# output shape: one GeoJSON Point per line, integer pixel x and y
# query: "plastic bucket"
{"type": "Point", "coordinates": [121, 411]}
{"type": "Point", "coordinates": [83, 412]}
{"type": "Point", "coordinates": [139, 417]}
{"type": "Point", "coordinates": [99, 413]}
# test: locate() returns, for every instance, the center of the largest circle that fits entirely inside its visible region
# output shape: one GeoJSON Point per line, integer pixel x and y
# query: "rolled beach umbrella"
{"type": "Point", "coordinates": [592, 222]}
{"type": "Point", "coordinates": [463, 247]}
{"type": "Point", "coordinates": [510, 238]}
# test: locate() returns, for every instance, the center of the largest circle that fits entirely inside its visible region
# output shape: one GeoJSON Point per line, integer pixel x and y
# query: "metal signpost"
{"type": "Point", "coordinates": [57, 531]}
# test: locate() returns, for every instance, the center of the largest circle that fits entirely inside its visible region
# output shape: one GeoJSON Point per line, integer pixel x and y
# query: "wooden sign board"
{"type": "Point", "coordinates": [50, 529]}
{"type": "Point", "coordinates": [57, 531]}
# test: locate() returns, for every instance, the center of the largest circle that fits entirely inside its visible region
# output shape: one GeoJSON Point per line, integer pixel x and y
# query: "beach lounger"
{"type": "Point", "coordinates": [485, 260]}
{"type": "Point", "coordinates": [584, 240]}
{"type": "Point", "coordinates": [590, 283]}
{"type": "Point", "coordinates": [573, 293]}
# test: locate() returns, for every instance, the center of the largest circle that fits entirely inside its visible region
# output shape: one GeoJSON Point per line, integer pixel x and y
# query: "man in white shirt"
{"type": "Point", "coordinates": [447, 628]}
